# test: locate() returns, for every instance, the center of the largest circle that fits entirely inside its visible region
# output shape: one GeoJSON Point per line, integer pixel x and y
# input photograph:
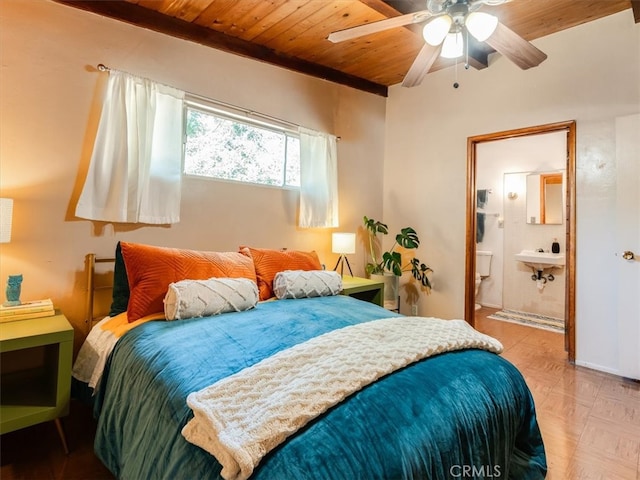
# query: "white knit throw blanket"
{"type": "Point", "coordinates": [239, 419]}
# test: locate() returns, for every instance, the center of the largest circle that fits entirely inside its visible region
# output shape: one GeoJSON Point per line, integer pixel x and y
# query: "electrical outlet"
{"type": "Point", "coordinates": [414, 310]}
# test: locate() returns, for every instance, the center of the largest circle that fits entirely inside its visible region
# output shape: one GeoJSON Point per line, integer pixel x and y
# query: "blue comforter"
{"type": "Point", "coordinates": [466, 414]}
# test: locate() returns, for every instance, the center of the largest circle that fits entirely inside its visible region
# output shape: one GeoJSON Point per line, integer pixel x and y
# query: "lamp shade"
{"type": "Point", "coordinates": [343, 243]}
{"type": "Point", "coordinates": [453, 46]}
{"type": "Point", "coordinates": [481, 25]}
{"type": "Point", "coordinates": [435, 31]}
{"type": "Point", "coordinates": [6, 218]}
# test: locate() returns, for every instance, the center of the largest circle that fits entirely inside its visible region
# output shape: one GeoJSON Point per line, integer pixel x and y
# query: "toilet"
{"type": "Point", "coordinates": [483, 269]}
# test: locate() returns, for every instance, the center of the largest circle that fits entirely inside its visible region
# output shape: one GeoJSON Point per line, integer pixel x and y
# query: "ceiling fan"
{"type": "Point", "coordinates": [446, 22]}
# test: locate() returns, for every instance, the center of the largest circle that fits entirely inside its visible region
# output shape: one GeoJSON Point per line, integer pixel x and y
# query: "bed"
{"type": "Point", "coordinates": [465, 413]}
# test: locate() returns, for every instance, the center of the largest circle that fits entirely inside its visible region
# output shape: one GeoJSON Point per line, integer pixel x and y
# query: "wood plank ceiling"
{"type": "Point", "coordinates": [292, 33]}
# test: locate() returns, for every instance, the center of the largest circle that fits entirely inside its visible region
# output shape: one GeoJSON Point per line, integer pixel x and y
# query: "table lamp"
{"type": "Point", "coordinates": [6, 217]}
{"type": "Point", "coordinates": [343, 243]}
{"type": "Point", "coordinates": [14, 282]}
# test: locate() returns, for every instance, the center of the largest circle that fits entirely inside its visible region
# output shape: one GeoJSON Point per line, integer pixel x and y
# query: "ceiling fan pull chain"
{"type": "Point", "coordinates": [466, 45]}
{"type": "Point", "coordinates": [466, 63]}
{"type": "Point", "coordinates": [456, 84]}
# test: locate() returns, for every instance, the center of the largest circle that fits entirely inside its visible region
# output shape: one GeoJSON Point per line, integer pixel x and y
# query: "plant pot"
{"type": "Point", "coordinates": [391, 289]}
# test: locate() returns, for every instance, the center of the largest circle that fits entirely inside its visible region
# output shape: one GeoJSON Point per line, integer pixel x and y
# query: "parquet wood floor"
{"type": "Point", "coordinates": [590, 421]}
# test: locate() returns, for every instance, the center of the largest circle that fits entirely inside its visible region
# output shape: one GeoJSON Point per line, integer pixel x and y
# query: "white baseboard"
{"type": "Point", "coordinates": [599, 368]}
{"type": "Point", "coordinates": [490, 305]}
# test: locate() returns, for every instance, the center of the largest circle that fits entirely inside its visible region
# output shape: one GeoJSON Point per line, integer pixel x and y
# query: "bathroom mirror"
{"type": "Point", "coordinates": [545, 198]}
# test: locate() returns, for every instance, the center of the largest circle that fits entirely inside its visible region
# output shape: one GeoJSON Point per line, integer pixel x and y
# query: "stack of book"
{"type": "Point", "coordinates": [34, 309]}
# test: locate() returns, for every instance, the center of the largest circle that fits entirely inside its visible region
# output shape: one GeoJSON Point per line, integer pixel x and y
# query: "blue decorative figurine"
{"type": "Point", "coordinates": [14, 285]}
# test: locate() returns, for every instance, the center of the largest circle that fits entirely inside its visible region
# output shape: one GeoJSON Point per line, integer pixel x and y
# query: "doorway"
{"type": "Point", "coordinates": [570, 229]}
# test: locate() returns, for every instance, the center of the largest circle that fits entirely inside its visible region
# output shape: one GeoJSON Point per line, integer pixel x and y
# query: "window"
{"type": "Point", "coordinates": [222, 145]}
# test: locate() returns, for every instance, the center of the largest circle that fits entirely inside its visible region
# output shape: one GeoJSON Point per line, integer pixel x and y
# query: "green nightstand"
{"type": "Point", "coordinates": [35, 373]}
{"type": "Point", "coordinates": [363, 289]}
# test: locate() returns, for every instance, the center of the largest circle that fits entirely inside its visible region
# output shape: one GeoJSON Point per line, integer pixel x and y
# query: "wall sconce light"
{"type": "Point", "coordinates": [343, 243]}
{"type": "Point", "coordinates": [6, 219]}
{"type": "Point", "coordinates": [512, 195]}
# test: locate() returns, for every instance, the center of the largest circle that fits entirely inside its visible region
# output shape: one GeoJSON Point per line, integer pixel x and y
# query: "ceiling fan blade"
{"type": "Point", "coordinates": [421, 65]}
{"type": "Point", "coordinates": [493, 3]}
{"type": "Point", "coordinates": [507, 42]}
{"type": "Point", "coordinates": [379, 26]}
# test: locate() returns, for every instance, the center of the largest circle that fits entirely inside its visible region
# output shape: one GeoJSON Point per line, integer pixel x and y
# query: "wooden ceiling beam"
{"type": "Point", "coordinates": [478, 53]}
{"type": "Point", "coordinates": [635, 6]}
{"type": "Point", "coordinates": [152, 20]}
{"type": "Point", "coordinates": [478, 57]}
{"type": "Point", "coordinates": [382, 7]}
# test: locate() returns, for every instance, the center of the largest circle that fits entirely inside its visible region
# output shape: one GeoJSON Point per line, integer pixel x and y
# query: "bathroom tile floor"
{"type": "Point", "coordinates": [590, 421]}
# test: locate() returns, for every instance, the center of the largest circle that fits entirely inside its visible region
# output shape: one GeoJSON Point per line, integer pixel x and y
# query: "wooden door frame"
{"type": "Point", "coordinates": [547, 179]}
{"type": "Point", "coordinates": [570, 228]}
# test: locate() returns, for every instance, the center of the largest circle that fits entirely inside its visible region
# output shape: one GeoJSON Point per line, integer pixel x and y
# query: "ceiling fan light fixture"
{"type": "Point", "coordinates": [436, 30]}
{"type": "Point", "coordinates": [453, 46]}
{"type": "Point", "coordinates": [481, 25]}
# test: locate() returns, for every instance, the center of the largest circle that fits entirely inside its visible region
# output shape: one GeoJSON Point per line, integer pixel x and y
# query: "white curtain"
{"type": "Point", "coordinates": [318, 179]}
{"type": "Point", "coordinates": [135, 170]}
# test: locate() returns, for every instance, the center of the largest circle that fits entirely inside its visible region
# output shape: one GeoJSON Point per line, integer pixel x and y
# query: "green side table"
{"type": "Point", "coordinates": [363, 289]}
{"type": "Point", "coordinates": [35, 373]}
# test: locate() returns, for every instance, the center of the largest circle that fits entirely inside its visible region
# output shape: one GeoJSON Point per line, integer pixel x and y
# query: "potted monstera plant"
{"type": "Point", "coordinates": [387, 267]}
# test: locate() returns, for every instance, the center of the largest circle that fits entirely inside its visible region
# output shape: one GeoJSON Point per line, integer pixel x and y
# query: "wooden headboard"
{"type": "Point", "coordinates": [99, 288]}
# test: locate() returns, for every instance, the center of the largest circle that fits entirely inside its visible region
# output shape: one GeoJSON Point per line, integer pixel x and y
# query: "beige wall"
{"type": "Point", "coordinates": [592, 75]}
{"type": "Point", "coordinates": [49, 109]}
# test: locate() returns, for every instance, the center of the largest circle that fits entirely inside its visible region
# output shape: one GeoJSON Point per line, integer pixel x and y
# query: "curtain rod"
{"type": "Point", "coordinates": [103, 68]}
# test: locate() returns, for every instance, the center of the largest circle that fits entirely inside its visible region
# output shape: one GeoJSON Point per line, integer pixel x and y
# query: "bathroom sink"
{"type": "Point", "coordinates": [540, 260]}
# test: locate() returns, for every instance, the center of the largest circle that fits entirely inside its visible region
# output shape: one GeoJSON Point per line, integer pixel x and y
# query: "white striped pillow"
{"type": "Point", "coordinates": [306, 283]}
{"type": "Point", "coordinates": [204, 298]}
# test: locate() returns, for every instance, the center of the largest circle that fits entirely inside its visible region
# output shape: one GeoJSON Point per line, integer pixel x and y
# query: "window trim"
{"type": "Point", "coordinates": [247, 117]}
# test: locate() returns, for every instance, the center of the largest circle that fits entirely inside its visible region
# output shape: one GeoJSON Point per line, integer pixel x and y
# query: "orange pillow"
{"type": "Point", "coordinates": [269, 262]}
{"type": "Point", "coordinates": [151, 269]}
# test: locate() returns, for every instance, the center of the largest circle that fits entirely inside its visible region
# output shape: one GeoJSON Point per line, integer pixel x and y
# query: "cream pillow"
{"type": "Point", "coordinates": [203, 298]}
{"type": "Point", "coordinates": [306, 283]}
